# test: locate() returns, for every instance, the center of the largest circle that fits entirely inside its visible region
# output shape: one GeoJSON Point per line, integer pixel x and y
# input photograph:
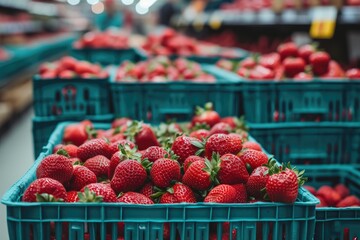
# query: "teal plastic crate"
{"type": "Point", "coordinates": [310, 143]}
{"type": "Point", "coordinates": [157, 102]}
{"type": "Point", "coordinates": [42, 128]}
{"type": "Point", "coordinates": [75, 97]}
{"type": "Point", "coordinates": [335, 223]}
{"type": "Point", "coordinates": [187, 221]}
{"type": "Point", "coordinates": [108, 56]}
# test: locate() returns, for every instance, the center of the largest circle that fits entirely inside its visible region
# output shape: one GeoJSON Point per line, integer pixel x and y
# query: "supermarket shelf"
{"type": "Point", "coordinates": [37, 8]}
{"type": "Point", "coordinates": [20, 27]}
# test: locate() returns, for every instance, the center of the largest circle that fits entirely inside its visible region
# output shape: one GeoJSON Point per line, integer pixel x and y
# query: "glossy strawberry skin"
{"type": "Point", "coordinates": [181, 194]}
{"type": "Point", "coordinates": [129, 175]}
{"type": "Point", "coordinates": [57, 167]}
{"type": "Point", "coordinates": [253, 158]}
{"type": "Point", "coordinates": [71, 149]}
{"type": "Point", "coordinates": [196, 177]}
{"type": "Point", "coordinates": [319, 62]}
{"type": "Point", "coordinates": [305, 52]}
{"type": "Point", "coordinates": [200, 134]}
{"type": "Point", "coordinates": [252, 145]}
{"type": "Point", "coordinates": [208, 117]}
{"type": "Point", "coordinates": [190, 160]}
{"type": "Point", "coordinates": [342, 190]}
{"type": "Point", "coordinates": [241, 193]}
{"type": "Point", "coordinates": [98, 165]}
{"type": "Point", "coordinates": [103, 190]}
{"type": "Point", "coordinates": [165, 171]}
{"type": "Point", "coordinates": [232, 170]}
{"type": "Point", "coordinates": [72, 196]}
{"type": "Point", "coordinates": [147, 190]}
{"type": "Point", "coordinates": [349, 201]}
{"type": "Point", "coordinates": [257, 181]}
{"type": "Point", "coordinates": [93, 148]}
{"type": "Point", "coordinates": [222, 144]}
{"type": "Point", "coordinates": [82, 176]}
{"type": "Point", "coordinates": [183, 147]}
{"type": "Point", "coordinates": [154, 153]}
{"type": "Point", "coordinates": [311, 189]}
{"type": "Point", "coordinates": [329, 194]}
{"type": "Point", "coordinates": [75, 134]}
{"type": "Point", "coordinates": [288, 50]}
{"type": "Point", "coordinates": [135, 198]}
{"type": "Point", "coordinates": [283, 187]}
{"type": "Point", "coordinates": [220, 127]}
{"type": "Point", "coordinates": [146, 138]}
{"type": "Point", "coordinates": [222, 193]}
{"type": "Point", "coordinates": [44, 185]}
{"type": "Point", "coordinates": [293, 66]}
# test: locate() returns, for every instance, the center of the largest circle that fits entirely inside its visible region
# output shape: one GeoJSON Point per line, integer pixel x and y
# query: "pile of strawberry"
{"type": "Point", "coordinates": [104, 40]}
{"type": "Point", "coordinates": [337, 196]}
{"type": "Point", "coordinates": [209, 160]}
{"type": "Point", "coordinates": [162, 69]}
{"type": "Point", "coordinates": [290, 62]}
{"type": "Point", "coordinates": [68, 67]}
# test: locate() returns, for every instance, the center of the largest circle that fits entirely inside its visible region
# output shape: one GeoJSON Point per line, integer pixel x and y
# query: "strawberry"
{"type": "Point", "coordinates": [220, 127]}
{"type": "Point", "coordinates": [319, 62]}
{"type": "Point", "coordinates": [76, 134]}
{"type": "Point", "coordinates": [93, 148]}
{"type": "Point", "coordinates": [200, 134]}
{"type": "Point", "coordinates": [349, 201]}
{"type": "Point", "coordinates": [68, 62]}
{"type": "Point", "coordinates": [119, 122]}
{"type": "Point", "coordinates": [311, 189]}
{"type": "Point", "coordinates": [305, 52]}
{"type": "Point", "coordinates": [222, 144]}
{"type": "Point", "coordinates": [55, 166]}
{"type": "Point", "coordinates": [241, 194]}
{"type": "Point", "coordinates": [329, 194]}
{"type": "Point", "coordinates": [71, 150]}
{"type": "Point", "coordinates": [252, 145]}
{"type": "Point", "coordinates": [248, 63]}
{"type": "Point", "coordinates": [126, 152]}
{"type": "Point", "coordinates": [302, 76]}
{"type": "Point", "coordinates": [288, 50]}
{"type": "Point", "coordinates": [44, 190]}
{"type": "Point", "coordinates": [147, 189]}
{"type": "Point", "coordinates": [154, 153]}
{"type": "Point", "coordinates": [82, 176]}
{"type": "Point", "coordinates": [199, 175]}
{"type": "Point", "coordinates": [164, 171]}
{"type": "Point", "coordinates": [353, 73]}
{"type": "Point", "coordinates": [322, 203]}
{"type": "Point", "coordinates": [72, 196]}
{"type": "Point", "coordinates": [142, 134]}
{"type": "Point", "coordinates": [67, 74]}
{"type": "Point", "coordinates": [253, 158]}
{"type": "Point", "coordinates": [342, 190]}
{"type": "Point", "coordinates": [334, 71]}
{"type": "Point", "coordinates": [271, 60]}
{"type": "Point", "coordinates": [115, 146]}
{"type": "Point", "coordinates": [222, 193]}
{"type": "Point", "coordinates": [129, 175]}
{"type": "Point", "coordinates": [206, 115]}
{"type": "Point", "coordinates": [231, 170]}
{"type": "Point", "coordinates": [184, 147]}
{"type": "Point", "coordinates": [257, 181]}
{"type": "Point", "coordinates": [293, 66]}
{"type": "Point", "coordinates": [179, 193]}
{"type": "Point", "coordinates": [98, 165]}
{"type": "Point", "coordinates": [117, 137]}
{"type": "Point", "coordinates": [95, 192]}
{"type": "Point", "coordinates": [134, 198]}
{"type": "Point", "coordinates": [190, 160]}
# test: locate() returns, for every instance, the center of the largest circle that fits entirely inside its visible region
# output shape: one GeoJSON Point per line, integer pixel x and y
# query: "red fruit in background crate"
{"type": "Point", "coordinates": [44, 190]}
{"type": "Point", "coordinates": [222, 193]}
{"type": "Point", "coordinates": [67, 74]}
{"type": "Point", "coordinates": [303, 77]}
{"type": "Point", "coordinates": [154, 153]}
{"type": "Point", "coordinates": [134, 198]}
{"type": "Point", "coordinates": [349, 201]}
{"type": "Point", "coordinates": [93, 148]}
{"type": "Point", "coordinates": [248, 63]}
{"type": "Point", "coordinates": [199, 175]}
{"type": "Point", "coordinates": [253, 158]}
{"type": "Point", "coordinates": [271, 60]}
{"type": "Point", "coordinates": [179, 193]}
{"type": "Point", "coordinates": [200, 134]}
{"type": "Point", "coordinates": [261, 73]}
{"type": "Point", "coordinates": [231, 170]}
{"type": "Point", "coordinates": [334, 71]}
{"type": "Point", "coordinates": [184, 147]}
{"type": "Point", "coordinates": [222, 144]}
{"type": "Point", "coordinates": [119, 122]}
{"type": "Point", "coordinates": [97, 192]}
{"type": "Point", "coordinates": [305, 51]}
{"type": "Point", "coordinates": [75, 134]}
{"type": "Point", "coordinates": [288, 50]}
{"type": "Point", "coordinates": [220, 127]}
{"type": "Point", "coordinates": [311, 189]}
{"type": "Point", "coordinates": [293, 66]}
{"type": "Point", "coordinates": [81, 177]}
{"type": "Point", "coordinates": [142, 134]}
{"type": "Point", "coordinates": [206, 115]}
{"type": "Point", "coordinates": [55, 166]}
{"type": "Point", "coordinates": [164, 172]}
{"type": "Point", "coordinates": [99, 165]}
{"type": "Point", "coordinates": [68, 62]}
{"type": "Point", "coordinates": [190, 160]}
{"type": "Point", "coordinates": [329, 194]}
{"type": "Point", "coordinates": [319, 62]}
{"type": "Point", "coordinates": [322, 203]}
{"type": "Point", "coordinates": [353, 73]}
{"type": "Point", "coordinates": [342, 190]}
{"type": "Point", "coordinates": [257, 181]}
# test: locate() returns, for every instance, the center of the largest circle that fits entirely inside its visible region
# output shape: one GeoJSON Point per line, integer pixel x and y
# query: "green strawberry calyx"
{"type": "Point", "coordinates": [45, 197]}
{"type": "Point", "coordinates": [63, 152]}
{"type": "Point", "coordinates": [133, 128]}
{"type": "Point", "coordinates": [207, 107]}
{"type": "Point", "coordinates": [200, 145]}
{"type": "Point", "coordinates": [89, 196]}
{"type": "Point", "coordinates": [129, 153]}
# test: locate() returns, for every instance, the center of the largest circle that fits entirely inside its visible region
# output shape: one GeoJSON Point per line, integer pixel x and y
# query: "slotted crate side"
{"type": "Point", "coordinates": [335, 223]}
{"type": "Point", "coordinates": [310, 143]}
{"type": "Point", "coordinates": [353, 101]}
{"type": "Point", "coordinates": [75, 97]}
{"type": "Point", "coordinates": [43, 127]}
{"type": "Point", "coordinates": [188, 221]}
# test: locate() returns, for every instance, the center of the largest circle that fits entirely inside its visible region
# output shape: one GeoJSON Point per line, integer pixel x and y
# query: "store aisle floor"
{"type": "Point", "coordinates": [16, 156]}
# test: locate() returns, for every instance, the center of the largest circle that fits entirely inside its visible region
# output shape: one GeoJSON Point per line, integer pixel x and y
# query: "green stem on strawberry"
{"type": "Point", "coordinates": [63, 152]}
{"type": "Point", "coordinates": [45, 197]}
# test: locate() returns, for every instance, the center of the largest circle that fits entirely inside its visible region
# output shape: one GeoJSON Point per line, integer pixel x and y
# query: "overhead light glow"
{"type": "Point", "coordinates": [98, 8]}
{"type": "Point", "coordinates": [140, 9]}
{"type": "Point", "coordinates": [146, 3]}
{"type": "Point", "coordinates": [127, 2]}
{"type": "Point", "coordinates": [73, 2]}
{"type": "Point", "coordinates": [92, 2]}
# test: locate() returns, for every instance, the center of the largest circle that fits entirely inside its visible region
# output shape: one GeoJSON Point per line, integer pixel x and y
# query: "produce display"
{"type": "Point", "coordinates": [162, 69]}
{"type": "Point", "coordinates": [103, 40]}
{"type": "Point", "coordinates": [302, 63]}
{"type": "Point", "coordinates": [4, 55]}
{"type": "Point", "coordinates": [69, 68]}
{"type": "Point", "coordinates": [338, 196]}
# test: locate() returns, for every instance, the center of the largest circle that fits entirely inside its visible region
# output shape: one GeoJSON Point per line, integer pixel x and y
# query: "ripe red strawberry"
{"type": "Point", "coordinates": [222, 193]}
{"type": "Point", "coordinates": [305, 52]}
{"type": "Point", "coordinates": [154, 153]}
{"type": "Point", "coordinates": [303, 77]}
{"type": "Point", "coordinates": [93, 148]}
{"type": "Point", "coordinates": [257, 181]}
{"type": "Point", "coordinates": [252, 145]}
{"type": "Point", "coordinates": [98, 165]}
{"type": "Point", "coordinates": [82, 176]}
{"type": "Point", "coordinates": [220, 127]}
{"type": "Point", "coordinates": [147, 189]}
{"type": "Point", "coordinates": [311, 189]}
{"type": "Point", "coordinates": [72, 196]}
{"type": "Point", "coordinates": [126, 152]}
{"type": "Point", "coordinates": [115, 146]}
{"type": "Point", "coordinates": [135, 198]}
{"type": "Point", "coordinates": [349, 201]}
{"type": "Point", "coordinates": [184, 147]}
{"type": "Point", "coordinates": [97, 191]}
{"type": "Point", "coordinates": [232, 121]}
{"type": "Point", "coordinates": [288, 50]}
{"type": "Point", "coordinates": [142, 134]}
{"type": "Point", "coordinates": [44, 190]}
{"type": "Point", "coordinates": [206, 116]}
{"type": "Point", "coordinates": [322, 203]}
{"type": "Point", "coordinates": [199, 175]}
{"type": "Point", "coordinates": [75, 134]}
{"type": "Point", "coordinates": [231, 169]}
{"type": "Point", "coordinates": [119, 122]}
{"type": "Point", "coordinates": [329, 194]}
{"type": "Point", "coordinates": [353, 73]}
{"type": "Point", "coordinates": [241, 194]}
{"type": "Point", "coordinates": [319, 62]}
{"type": "Point", "coordinates": [200, 134]}
{"type": "Point", "coordinates": [129, 175]}
{"type": "Point", "coordinates": [293, 66]}
{"type": "Point", "coordinates": [179, 193]}
{"type": "Point", "coordinates": [71, 150]}
{"type": "Point", "coordinates": [253, 158]}
{"type": "Point", "coordinates": [190, 160]}
{"type": "Point", "coordinates": [164, 171]}
{"type": "Point", "coordinates": [342, 190]}
{"type": "Point", "coordinates": [283, 184]}
{"type": "Point", "coordinates": [222, 144]}
{"type": "Point", "coordinates": [57, 167]}
{"type": "Point", "coordinates": [117, 137]}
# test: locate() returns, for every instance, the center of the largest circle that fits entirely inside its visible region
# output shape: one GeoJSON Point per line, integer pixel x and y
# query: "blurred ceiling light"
{"type": "Point", "coordinates": [146, 3]}
{"type": "Point", "coordinates": [92, 2]}
{"type": "Point", "coordinates": [97, 8]}
{"type": "Point", "coordinates": [140, 9]}
{"type": "Point", "coordinates": [73, 2]}
{"type": "Point", "coordinates": [127, 2]}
